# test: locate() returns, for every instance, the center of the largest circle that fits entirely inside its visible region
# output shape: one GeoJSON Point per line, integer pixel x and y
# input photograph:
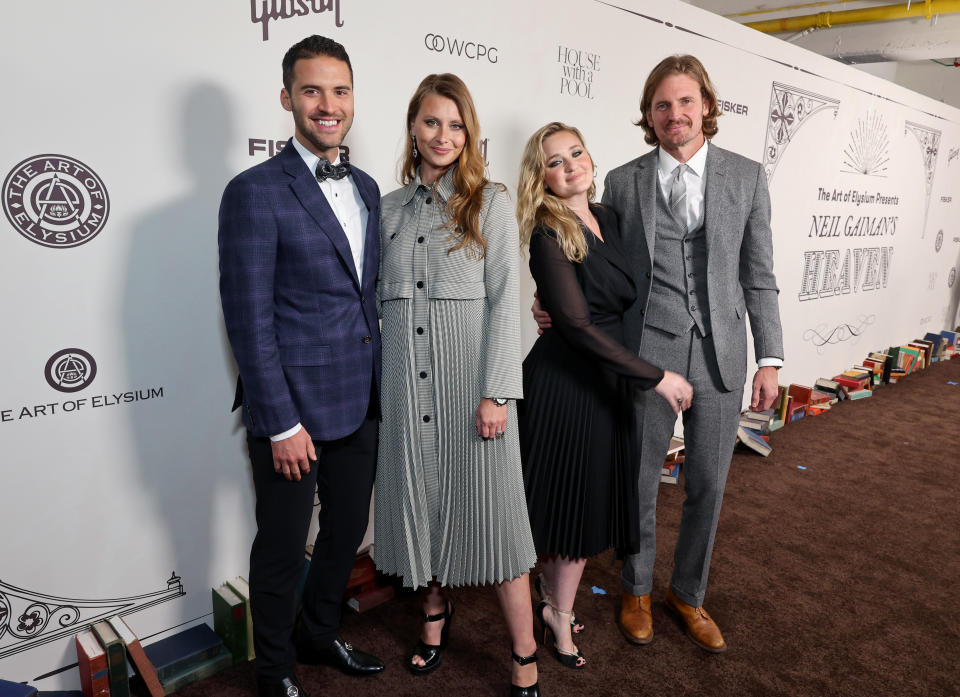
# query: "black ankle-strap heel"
{"type": "Point", "coordinates": [534, 689]}
{"type": "Point", "coordinates": [430, 653]}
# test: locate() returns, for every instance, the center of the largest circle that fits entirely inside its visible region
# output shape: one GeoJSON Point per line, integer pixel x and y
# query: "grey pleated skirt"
{"type": "Point", "coordinates": [448, 504]}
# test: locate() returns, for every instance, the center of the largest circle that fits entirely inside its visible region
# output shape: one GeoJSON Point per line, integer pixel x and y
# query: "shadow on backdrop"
{"type": "Point", "coordinates": [175, 338]}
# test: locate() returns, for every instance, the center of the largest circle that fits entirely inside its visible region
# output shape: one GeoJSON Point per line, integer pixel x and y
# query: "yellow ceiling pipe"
{"type": "Point", "coordinates": [918, 8]}
{"type": "Point", "coordinates": [802, 6]}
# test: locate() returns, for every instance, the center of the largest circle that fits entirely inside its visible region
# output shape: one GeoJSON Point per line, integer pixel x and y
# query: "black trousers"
{"type": "Point", "coordinates": [342, 479]}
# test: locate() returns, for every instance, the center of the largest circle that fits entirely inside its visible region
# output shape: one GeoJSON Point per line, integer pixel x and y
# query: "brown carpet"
{"type": "Point", "coordinates": [837, 579]}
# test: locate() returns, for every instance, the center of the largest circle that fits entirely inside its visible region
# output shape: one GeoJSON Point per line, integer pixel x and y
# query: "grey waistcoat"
{"type": "Point", "coordinates": [678, 296]}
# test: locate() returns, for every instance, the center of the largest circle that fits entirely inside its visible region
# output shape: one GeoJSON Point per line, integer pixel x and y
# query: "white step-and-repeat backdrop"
{"type": "Point", "coordinates": [125, 483]}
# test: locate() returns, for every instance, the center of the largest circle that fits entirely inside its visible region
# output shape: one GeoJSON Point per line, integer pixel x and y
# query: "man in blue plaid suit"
{"type": "Point", "coordinates": [299, 252]}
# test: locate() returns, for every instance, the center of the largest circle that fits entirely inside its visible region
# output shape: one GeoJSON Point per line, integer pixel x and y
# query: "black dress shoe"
{"type": "Point", "coordinates": [286, 687]}
{"type": "Point", "coordinates": [340, 655]}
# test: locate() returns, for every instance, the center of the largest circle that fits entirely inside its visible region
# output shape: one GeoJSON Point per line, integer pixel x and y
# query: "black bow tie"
{"type": "Point", "coordinates": [327, 170]}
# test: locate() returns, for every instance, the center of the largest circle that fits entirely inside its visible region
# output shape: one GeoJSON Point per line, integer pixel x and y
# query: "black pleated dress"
{"type": "Point", "coordinates": [576, 418]}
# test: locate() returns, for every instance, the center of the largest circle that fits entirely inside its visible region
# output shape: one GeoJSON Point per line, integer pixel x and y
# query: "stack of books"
{"type": "Point", "coordinates": [800, 396]}
{"type": "Point", "coordinates": [797, 401]}
{"type": "Point", "coordinates": [107, 655]}
{"type": "Point", "coordinates": [754, 428]}
{"type": "Point", "coordinates": [231, 618]}
{"type": "Point", "coordinates": [670, 472]}
{"type": "Point", "coordinates": [188, 656]}
{"type": "Point", "coordinates": [366, 589]}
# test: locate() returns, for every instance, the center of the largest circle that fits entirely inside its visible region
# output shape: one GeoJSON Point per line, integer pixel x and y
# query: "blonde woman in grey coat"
{"type": "Point", "coordinates": [450, 506]}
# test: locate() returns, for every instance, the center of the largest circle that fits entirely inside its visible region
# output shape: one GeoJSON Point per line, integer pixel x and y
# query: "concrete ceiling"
{"type": "Point", "coordinates": [916, 39]}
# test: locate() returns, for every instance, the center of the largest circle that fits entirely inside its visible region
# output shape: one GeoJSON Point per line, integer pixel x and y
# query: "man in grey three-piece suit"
{"type": "Point", "coordinates": [695, 221]}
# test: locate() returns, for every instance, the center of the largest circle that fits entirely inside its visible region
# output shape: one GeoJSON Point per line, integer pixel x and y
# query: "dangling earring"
{"type": "Point", "coordinates": [594, 171]}
{"type": "Point", "coordinates": [413, 140]}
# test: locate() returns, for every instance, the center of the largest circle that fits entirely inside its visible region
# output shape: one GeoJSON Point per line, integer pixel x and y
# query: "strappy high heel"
{"type": "Point", "coordinates": [567, 658]}
{"type": "Point", "coordinates": [534, 689]}
{"type": "Point", "coordinates": [431, 653]}
{"type": "Point", "coordinates": [540, 584]}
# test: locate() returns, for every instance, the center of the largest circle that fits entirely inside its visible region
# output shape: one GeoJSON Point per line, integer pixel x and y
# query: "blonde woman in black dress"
{"type": "Point", "coordinates": [575, 417]}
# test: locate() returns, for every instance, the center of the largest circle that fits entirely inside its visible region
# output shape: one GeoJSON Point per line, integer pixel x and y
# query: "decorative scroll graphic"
{"type": "Point", "coordinates": [952, 155]}
{"type": "Point", "coordinates": [790, 108]}
{"type": "Point", "coordinates": [822, 335]}
{"type": "Point", "coordinates": [952, 277]}
{"type": "Point", "coordinates": [939, 243]}
{"type": "Point", "coordinates": [868, 151]}
{"type": "Point", "coordinates": [929, 141]}
{"type": "Point", "coordinates": [29, 619]}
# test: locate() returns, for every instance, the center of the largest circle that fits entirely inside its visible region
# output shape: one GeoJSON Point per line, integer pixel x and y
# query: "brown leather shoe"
{"type": "Point", "coordinates": [636, 622]}
{"type": "Point", "coordinates": [701, 628]}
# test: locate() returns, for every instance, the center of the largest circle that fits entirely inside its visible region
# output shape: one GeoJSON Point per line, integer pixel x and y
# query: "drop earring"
{"type": "Point", "coordinates": [413, 141]}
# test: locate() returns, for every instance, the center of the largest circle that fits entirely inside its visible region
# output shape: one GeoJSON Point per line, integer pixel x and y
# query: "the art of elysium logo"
{"type": "Point", "coordinates": [55, 201]}
{"type": "Point", "coordinates": [70, 370]}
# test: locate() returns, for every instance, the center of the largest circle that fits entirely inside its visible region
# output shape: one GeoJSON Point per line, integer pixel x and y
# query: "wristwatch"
{"type": "Point", "coordinates": [499, 401]}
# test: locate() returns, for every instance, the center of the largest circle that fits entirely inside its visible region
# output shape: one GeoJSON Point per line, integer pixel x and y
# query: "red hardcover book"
{"type": "Point", "coordinates": [817, 397]}
{"type": "Point", "coordinates": [801, 394]}
{"type": "Point", "coordinates": [140, 660]}
{"type": "Point", "coordinates": [92, 661]}
{"type": "Point", "coordinates": [851, 383]}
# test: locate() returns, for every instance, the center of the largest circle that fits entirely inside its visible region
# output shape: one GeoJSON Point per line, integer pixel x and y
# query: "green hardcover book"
{"type": "Point", "coordinates": [240, 586]}
{"type": "Point", "coordinates": [909, 358]}
{"type": "Point", "coordinates": [199, 672]}
{"type": "Point", "coordinates": [230, 621]}
{"type": "Point", "coordinates": [782, 404]}
{"type": "Point", "coordinates": [116, 659]}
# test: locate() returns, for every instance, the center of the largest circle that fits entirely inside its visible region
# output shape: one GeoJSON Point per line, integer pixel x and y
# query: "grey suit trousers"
{"type": "Point", "coordinates": [710, 427]}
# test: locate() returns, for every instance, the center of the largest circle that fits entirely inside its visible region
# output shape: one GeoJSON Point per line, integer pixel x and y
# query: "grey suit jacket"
{"type": "Point", "coordinates": [739, 254]}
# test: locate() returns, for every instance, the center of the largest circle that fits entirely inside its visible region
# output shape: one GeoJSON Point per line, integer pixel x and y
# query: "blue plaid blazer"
{"type": "Point", "coordinates": [303, 329]}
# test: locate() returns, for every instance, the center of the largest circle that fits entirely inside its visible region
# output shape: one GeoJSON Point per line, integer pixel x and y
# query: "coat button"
{"type": "Point", "coordinates": [648, 274]}
{"type": "Point", "coordinates": [366, 339]}
{"type": "Point", "coordinates": [419, 330]}
{"type": "Point", "coordinates": [429, 200]}
{"type": "Point", "coordinates": [419, 284]}
{"type": "Point", "coordinates": [693, 308]}
{"type": "Point", "coordinates": [420, 239]}
{"type": "Point", "coordinates": [423, 374]}
{"type": "Point", "coordinates": [426, 419]}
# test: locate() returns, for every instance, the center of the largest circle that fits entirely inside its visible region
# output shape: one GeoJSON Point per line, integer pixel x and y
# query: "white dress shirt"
{"type": "Point", "coordinates": [695, 179]}
{"type": "Point", "coordinates": [351, 211]}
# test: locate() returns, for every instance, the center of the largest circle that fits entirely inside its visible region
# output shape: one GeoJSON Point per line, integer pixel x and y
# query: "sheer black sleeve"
{"type": "Point", "coordinates": [561, 296]}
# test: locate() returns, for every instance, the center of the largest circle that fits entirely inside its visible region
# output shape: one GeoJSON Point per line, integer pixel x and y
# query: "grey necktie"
{"type": "Point", "coordinates": [678, 196]}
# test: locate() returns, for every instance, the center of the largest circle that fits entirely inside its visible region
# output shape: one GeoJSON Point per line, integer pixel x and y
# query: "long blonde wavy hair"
{"type": "Point", "coordinates": [537, 204]}
{"type": "Point", "coordinates": [469, 177]}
